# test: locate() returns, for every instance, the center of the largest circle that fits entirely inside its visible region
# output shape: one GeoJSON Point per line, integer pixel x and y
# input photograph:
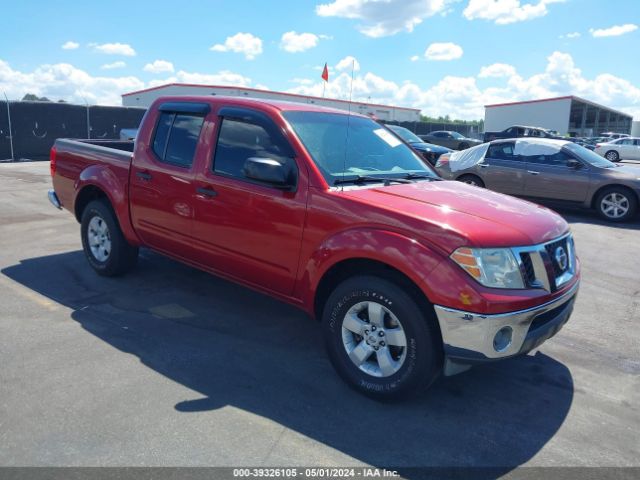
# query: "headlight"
{"type": "Point", "coordinates": [492, 267]}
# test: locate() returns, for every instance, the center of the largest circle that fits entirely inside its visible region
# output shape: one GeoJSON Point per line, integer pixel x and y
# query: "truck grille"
{"type": "Point", "coordinates": [549, 265]}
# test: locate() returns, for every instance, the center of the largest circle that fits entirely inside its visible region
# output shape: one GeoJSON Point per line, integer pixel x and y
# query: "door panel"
{"type": "Point", "coordinates": [161, 190]}
{"type": "Point", "coordinates": [247, 230]}
{"type": "Point", "coordinates": [501, 170]}
{"type": "Point", "coordinates": [548, 176]}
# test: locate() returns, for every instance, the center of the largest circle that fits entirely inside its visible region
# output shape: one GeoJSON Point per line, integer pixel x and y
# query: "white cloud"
{"type": "Point", "coordinates": [293, 42]}
{"type": "Point", "coordinates": [497, 70]}
{"type": "Point", "coordinates": [380, 18]}
{"type": "Point", "coordinates": [415, 58]}
{"type": "Point", "coordinates": [113, 66]}
{"type": "Point", "coordinates": [571, 35]}
{"type": "Point", "coordinates": [461, 97]}
{"type": "Point", "coordinates": [614, 31]}
{"type": "Point", "coordinates": [247, 44]}
{"type": "Point", "coordinates": [70, 45]}
{"type": "Point", "coordinates": [64, 81]}
{"type": "Point", "coordinates": [159, 66]}
{"type": "Point", "coordinates": [443, 51]}
{"type": "Point", "coordinates": [114, 49]}
{"type": "Point", "coordinates": [346, 63]}
{"type": "Point", "coordinates": [503, 12]}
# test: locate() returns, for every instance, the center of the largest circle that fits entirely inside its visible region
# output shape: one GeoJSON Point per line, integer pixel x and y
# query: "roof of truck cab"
{"type": "Point", "coordinates": [282, 105]}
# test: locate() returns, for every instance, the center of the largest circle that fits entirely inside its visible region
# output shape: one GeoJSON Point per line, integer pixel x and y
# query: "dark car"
{"type": "Point", "coordinates": [428, 151]}
{"type": "Point", "coordinates": [553, 171]}
{"type": "Point", "coordinates": [518, 131]}
{"type": "Point", "coordinates": [450, 139]}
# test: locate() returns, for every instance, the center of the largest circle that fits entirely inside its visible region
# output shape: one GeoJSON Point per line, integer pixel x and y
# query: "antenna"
{"type": "Point", "coordinates": [346, 137]}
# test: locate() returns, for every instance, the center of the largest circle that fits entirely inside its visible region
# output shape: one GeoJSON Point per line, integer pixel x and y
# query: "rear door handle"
{"type": "Point", "coordinates": [533, 172]}
{"type": "Point", "coordinates": [207, 192]}
{"type": "Point", "coordinates": [143, 175]}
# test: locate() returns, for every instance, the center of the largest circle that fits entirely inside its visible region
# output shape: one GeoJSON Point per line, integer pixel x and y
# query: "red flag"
{"type": "Point", "coordinates": [325, 73]}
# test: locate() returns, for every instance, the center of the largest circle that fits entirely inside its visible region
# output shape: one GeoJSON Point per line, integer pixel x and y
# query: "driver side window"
{"type": "Point", "coordinates": [239, 140]}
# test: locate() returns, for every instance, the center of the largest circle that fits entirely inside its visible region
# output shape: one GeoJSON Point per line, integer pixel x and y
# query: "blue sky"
{"type": "Point", "coordinates": [527, 39]}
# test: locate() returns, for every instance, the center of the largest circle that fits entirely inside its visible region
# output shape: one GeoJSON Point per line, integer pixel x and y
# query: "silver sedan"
{"type": "Point", "coordinates": [553, 171]}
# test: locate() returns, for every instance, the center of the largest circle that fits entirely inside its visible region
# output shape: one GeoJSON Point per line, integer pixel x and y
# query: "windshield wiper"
{"type": "Point", "coordinates": [420, 176]}
{"type": "Point", "coordinates": [360, 179]}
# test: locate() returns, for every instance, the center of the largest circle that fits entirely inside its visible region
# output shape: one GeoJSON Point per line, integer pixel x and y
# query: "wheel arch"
{"type": "Point", "coordinates": [611, 186]}
{"type": "Point", "coordinates": [351, 267]}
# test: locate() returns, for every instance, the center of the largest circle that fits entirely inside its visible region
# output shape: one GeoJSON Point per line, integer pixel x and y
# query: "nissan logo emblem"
{"type": "Point", "coordinates": [561, 258]}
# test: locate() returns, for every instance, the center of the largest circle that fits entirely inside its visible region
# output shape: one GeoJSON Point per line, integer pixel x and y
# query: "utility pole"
{"type": "Point", "coordinates": [10, 129]}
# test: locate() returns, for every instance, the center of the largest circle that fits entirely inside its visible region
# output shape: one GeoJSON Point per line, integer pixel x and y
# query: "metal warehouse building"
{"type": "Point", "coordinates": [144, 98]}
{"type": "Point", "coordinates": [567, 115]}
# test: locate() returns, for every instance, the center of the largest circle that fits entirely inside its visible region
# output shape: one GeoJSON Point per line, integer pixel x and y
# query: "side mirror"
{"type": "Point", "coordinates": [573, 163]}
{"type": "Point", "coordinates": [270, 171]}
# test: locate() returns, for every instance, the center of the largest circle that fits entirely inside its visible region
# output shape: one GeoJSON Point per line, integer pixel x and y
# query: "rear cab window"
{"type": "Point", "coordinates": [176, 137]}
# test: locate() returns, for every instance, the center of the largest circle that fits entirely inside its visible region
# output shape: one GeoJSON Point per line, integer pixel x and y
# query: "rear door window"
{"type": "Point", "coordinates": [558, 159]}
{"type": "Point", "coordinates": [502, 151]}
{"type": "Point", "coordinates": [176, 138]}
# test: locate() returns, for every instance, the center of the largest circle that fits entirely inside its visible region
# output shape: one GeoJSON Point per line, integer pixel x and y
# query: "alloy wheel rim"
{"type": "Point", "coordinates": [374, 339]}
{"type": "Point", "coordinates": [615, 205]}
{"type": "Point", "coordinates": [612, 156]}
{"type": "Point", "coordinates": [99, 238]}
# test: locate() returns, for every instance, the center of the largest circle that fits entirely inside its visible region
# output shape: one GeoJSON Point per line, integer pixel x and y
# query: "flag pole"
{"type": "Point", "coordinates": [324, 85]}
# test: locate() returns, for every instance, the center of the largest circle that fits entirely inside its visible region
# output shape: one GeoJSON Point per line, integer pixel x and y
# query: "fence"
{"type": "Point", "coordinates": [422, 128]}
{"type": "Point", "coordinates": [36, 125]}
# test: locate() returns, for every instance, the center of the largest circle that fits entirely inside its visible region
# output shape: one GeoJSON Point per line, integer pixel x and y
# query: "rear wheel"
{"type": "Point", "coordinates": [104, 245]}
{"type": "Point", "coordinates": [471, 180]}
{"type": "Point", "coordinates": [616, 204]}
{"type": "Point", "coordinates": [379, 340]}
{"type": "Point", "coordinates": [612, 156]}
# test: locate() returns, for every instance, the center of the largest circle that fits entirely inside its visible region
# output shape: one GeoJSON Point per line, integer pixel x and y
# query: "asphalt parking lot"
{"type": "Point", "coordinates": [169, 366]}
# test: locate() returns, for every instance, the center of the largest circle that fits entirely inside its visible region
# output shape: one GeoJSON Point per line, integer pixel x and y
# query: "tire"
{"type": "Point", "coordinates": [410, 362]}
{"type": "Point", "coordinates": [471, 180]}
{"type": "Point", "coordinates": [612, 156]}
{"type": "Point", "coordinates": [463, 146]}
{"type": "Point", "coordinates": [104, 245]}
{"type": "Point", "coordinates": [616, 204]}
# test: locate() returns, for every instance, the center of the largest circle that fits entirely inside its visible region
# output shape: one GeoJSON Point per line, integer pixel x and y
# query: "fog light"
{"type": "Point", "coordinates": [502, 340]}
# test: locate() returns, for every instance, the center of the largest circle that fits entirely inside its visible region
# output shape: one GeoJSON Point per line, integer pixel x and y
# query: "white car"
{"type": "Point", "coordinates": [623, 148]}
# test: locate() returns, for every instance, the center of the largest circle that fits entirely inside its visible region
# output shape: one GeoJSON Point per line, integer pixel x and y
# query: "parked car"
{"type": "Point", "coordinates": [409, 275]}
{"type": "Point", "coordinates": [450, 139]}
{"type": "Point", "coordinates": [554, 171]}
{"type": "Point", "coordinates": [428, 151]}
{"type": "Point", "coordinates": [625, 148]}
{"type": "Point", "coordinates": [518, 131]}
{"type": "Point", "coordinates": [613, 135]}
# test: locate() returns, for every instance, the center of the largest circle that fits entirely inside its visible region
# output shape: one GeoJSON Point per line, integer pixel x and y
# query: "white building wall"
{"type": "Point", "coordinates": [552, 114]}
{"type": "Point", "coordinates": [635, 128]}
{"type": "Point", "coordinates": [399, 114]}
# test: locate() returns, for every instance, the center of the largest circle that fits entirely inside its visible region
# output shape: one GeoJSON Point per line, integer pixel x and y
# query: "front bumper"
{"type": "Point", "coordinates": [470, 338]}
{"type": "Point", "coordinates": [53, 198]}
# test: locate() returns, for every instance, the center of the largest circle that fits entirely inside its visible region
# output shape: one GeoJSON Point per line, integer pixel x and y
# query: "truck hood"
{"type": "Point", "coordinates": [453, 214]}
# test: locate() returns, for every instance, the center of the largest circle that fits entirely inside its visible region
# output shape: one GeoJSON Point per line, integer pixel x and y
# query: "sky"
{"type": "Point", "coordinates": [446, 57]}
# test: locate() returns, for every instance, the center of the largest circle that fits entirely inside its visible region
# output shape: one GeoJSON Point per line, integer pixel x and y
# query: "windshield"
{"type": "Point", "coordinates": [457, 135]}
{"type": "Point", "coordinates": [369, 150]}
{"type": "Point", "coordinates": [405, 134]}
{"type": "Point", "coordinates": [589, 156]}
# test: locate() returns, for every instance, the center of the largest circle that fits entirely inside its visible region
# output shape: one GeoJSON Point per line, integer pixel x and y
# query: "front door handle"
{"type": "Point", "coordinates": [207, 192]}
{"type": "Point", "coordinates": [484, 165]}
{"type": "Point", "coordinates": [532, 172]}
{"type": "Point", "coordinates": [143, 175]}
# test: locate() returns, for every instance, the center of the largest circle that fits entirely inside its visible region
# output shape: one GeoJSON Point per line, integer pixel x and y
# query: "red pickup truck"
{"type": "Point", "coordinates": [409, 274]}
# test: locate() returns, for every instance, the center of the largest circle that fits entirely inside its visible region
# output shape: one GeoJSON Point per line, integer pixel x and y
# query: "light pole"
{"type": "Point", "coordinates": [10, 129]}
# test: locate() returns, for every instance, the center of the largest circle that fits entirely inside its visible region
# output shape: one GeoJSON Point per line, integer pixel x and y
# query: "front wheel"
{"type": "Point", "coordinates": [378, 339]}
{"type": "Point", "coordinates": [612, 156]}
{"type": "Point", "coordinates": [104, 245]}
{"type": "Point", "coordinates": [616, 204]}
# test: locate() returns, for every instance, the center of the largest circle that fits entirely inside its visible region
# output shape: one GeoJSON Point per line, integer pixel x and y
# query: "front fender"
{"type": "Point", "coordinates": [114, 186]}
{"type": "Point", "coordinates": [403, 253]}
